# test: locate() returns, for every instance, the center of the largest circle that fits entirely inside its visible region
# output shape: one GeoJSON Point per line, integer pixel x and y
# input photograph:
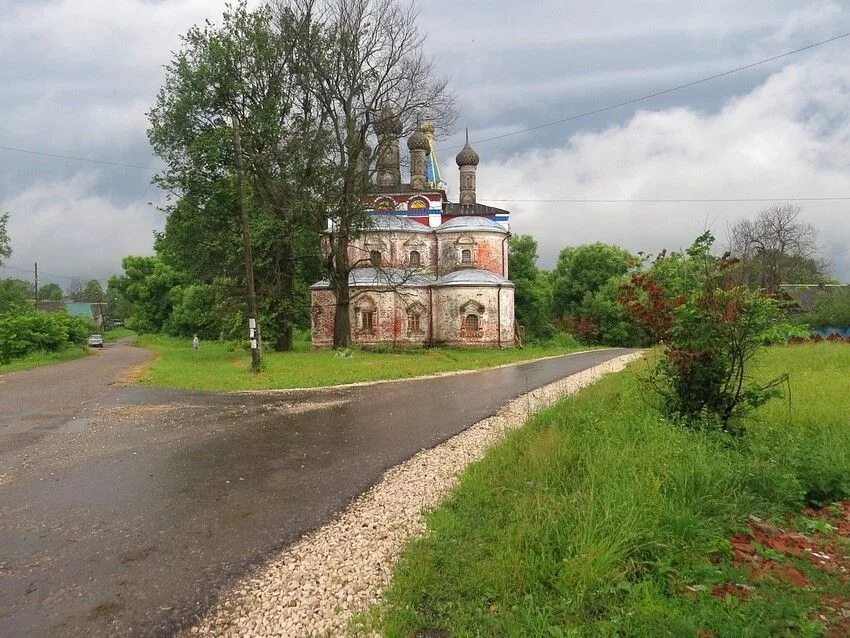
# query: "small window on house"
{"type": "Point", "coordinates": [471, 324]}
{"type": "Point", "coordinates": [414, 323]}
{"type": "Point", "coordinates": [415, 259]}
{"type": "Point", "coordinates": [367, 319]}
{"type": "Point", "coordinates": [375, 258]}
{"type": "Point", "coordinates": [466, 256]}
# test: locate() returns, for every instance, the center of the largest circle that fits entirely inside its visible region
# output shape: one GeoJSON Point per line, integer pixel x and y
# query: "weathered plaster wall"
{"type": "Point", "coordinates": [395, 248]}
{"type": "Point", "coordinates": [450, 307]}
{"type": "Point", "coordinates": [487, 251]}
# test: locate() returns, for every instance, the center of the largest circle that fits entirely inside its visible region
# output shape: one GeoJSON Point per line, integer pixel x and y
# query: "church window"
{"type": "Point", "coordinates": [415, 259]}
{"type": "Point", "coordinates": [471, 325]}
{"type": "Point", "coordinates": [375, 258]}
{"type": "Point", "coordinates": [367, 319]}
{"type": "Point", "coordinates": [466, 256]}
{"type": "Point", "coordinates": [414, 322]}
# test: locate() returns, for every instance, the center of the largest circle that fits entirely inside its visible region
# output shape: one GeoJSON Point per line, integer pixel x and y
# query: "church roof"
{"type": "Point", "coordinates": [453, 208]}
{"type": "Point", "coordinates": [473, 277]}
{"type": "Point", "coordinates": [471, 223]}
{"type": "Point", "coordinates": [380, 278]}
{"type": "Point", "coordinates": [389, 222]}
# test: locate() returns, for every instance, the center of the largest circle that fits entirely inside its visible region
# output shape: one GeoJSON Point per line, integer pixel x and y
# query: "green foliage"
{"type": "Point", "coordinates": [146, 287]}
{"type": "Point", "coordinates": [93, 292]}
{"type": "Point", "coordinates": [50, 292]}
{"type": "Point", "coordinates": [594, 518]}
{"type": "Point", "coordinates": [533, 293]}
{"type": "Point", "coordinates": [832, 310]}
{"type": "Point", "coordinates": [711, 334]}
{"type": "Point", "coordinates": [26, 332]}
{"type": "Point", "coordinates": [781, 332]}
{"type": "Point", "coordinates": [13, 295]}
{"type": "Point", "coordinates": [586, 269]}
{"type": "Point", "coordinates": [5, 242]}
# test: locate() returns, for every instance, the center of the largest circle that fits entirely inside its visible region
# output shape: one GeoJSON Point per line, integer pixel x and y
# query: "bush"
{"type": "Point", "coordinates": [22, 333]}
{"type": "Point", "coordinates": [711, 334]}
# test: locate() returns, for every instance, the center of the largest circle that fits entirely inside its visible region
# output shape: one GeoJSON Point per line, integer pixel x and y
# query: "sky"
{"type": "Point", "coordinates": [80, 75]}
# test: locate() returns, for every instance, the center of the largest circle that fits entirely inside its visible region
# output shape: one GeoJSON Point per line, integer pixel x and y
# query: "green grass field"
{"type": "Point", "coordinates": [117, 333]}
{"type": "Point", "coordinates": [38, 359]}
{"type": "Point", "coordinates": [218, 366]}
{"type": "Point", "coordinates": [600, 519]}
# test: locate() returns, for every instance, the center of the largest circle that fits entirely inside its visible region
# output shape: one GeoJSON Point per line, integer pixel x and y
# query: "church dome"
{"type": "Point", "coordinates": [387, 123]}
{"type": "Point", "coordinates": [418, 141]}
{"type": "Point", "coordinates": [471, 223]}
{"type": "Point", "coordinates": [467, 156]}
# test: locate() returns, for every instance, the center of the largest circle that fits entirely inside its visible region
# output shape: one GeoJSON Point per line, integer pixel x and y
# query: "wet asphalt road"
{"type": "Point", "coordinates": [129, 518]}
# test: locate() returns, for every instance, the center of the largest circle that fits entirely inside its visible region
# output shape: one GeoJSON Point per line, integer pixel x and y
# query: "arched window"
{"type": "Point", "coordinates": [414, 322]}
{"type": "Point", "coordinates": [466, 256]}
{"type": "Point", "coordinates": [367, 319]}
{"type": "Point", "coordinates": [471, 324]}
{"type": "Point", "coordinates": [375, 258]}
{"type": "Point", "coordinates": [415, 259]}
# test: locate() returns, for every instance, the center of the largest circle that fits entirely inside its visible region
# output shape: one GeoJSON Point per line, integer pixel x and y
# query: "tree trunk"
{"type": "Point", "coordinates": [339, 284]}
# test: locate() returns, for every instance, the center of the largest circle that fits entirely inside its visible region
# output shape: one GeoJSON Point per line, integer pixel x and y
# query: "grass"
{"type": "Point", "coordinates": [38, 359]}
{"type": "Point", "coordinates": [115, 334]}
{"type": "Point", "coordinates": [222, 367]}
{"type": "Point", "coordinates": [600, 519]}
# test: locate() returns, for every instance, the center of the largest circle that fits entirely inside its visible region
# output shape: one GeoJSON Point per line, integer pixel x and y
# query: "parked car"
{"type": "Point", "coordinates": [95, 341]}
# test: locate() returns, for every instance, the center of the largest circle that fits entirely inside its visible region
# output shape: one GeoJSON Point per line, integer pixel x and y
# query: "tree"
{"type": "Point", "coordinates": [50, 292]}
{"type": "Point", "coordinates": [586, 269]}
{"type": "Point", "coordinates": [146, 287]}
{"type": "Point", "coordinates": [5, 242]}
{"type": "Point", "coordinates": [13, 295]}
{"type": "Point", "coordinates": [92, 292]}
{"type": "Point", "coordinates": [366, 69]}
{"type": "Point", "coordinates": [776, 248]}
{"type": "Point", "coordinates": [533, 294]}
{"type": "Point", "coordinates": [75, 289]}
{"type": "Point", "coordinates": [234, 114]}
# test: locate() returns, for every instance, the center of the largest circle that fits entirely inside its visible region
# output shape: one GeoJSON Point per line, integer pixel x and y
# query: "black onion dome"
{"type": "Point", "coordinates": [418, 141]}
{"type": "Point", "coordinates": [467, 156]}
{"type": "Point", "coordinates": [387, 123]}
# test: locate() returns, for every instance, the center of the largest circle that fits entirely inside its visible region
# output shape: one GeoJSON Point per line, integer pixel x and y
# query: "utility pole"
{"type": "Point", "coordinates": [253, 324]}
{"type": "Point", "coordinates": [36, 285]}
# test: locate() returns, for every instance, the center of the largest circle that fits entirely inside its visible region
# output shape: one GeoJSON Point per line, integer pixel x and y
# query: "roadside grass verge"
{"type": "Point", "coordinates": [38, 359]}
{"type": "Point", "coordinates": [117, 333]}
{"type": "Point", "coordinates": [222, 367]}
{"type": "Point", "coordinates": [598, 518]}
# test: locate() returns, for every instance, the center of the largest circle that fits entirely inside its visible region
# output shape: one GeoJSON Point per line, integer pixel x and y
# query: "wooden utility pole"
{"type": "Point", "coordinates": [36, 285]}
{"type": "Point", "coordinates": [253, 324]}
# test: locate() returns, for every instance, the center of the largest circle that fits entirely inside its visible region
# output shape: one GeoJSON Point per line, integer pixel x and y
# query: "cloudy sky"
{"type": "Point", "coordinates": [79, 75]}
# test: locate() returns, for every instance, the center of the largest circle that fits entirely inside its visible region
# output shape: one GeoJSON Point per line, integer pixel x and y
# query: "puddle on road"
{"type": "Point", "coordinates": [75, 425]}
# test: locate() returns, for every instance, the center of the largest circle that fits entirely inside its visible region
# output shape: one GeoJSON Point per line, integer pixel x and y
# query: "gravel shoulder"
{"type": "Point", "coordinates": [317, 585]}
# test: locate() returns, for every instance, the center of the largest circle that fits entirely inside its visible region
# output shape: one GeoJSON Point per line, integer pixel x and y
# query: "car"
{"type": "Point", "coordinates": [95, 341]}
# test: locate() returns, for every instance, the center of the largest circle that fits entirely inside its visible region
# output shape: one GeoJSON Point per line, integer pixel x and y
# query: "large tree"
{"type": "Point", "coordinates": [776, 247]}
{"type": "Point", "coordinates": [586, 270]}
{"type": "Point", "coordinates": [240, 134]}
{"type": "Point", "coordinates": [533, 293]}
{"type": "Point", "coordinates": [366, 68]}
{"type": "Point", "coordinates": [50, 292]}
{"type": "Point", "coordinates": [14, 294]}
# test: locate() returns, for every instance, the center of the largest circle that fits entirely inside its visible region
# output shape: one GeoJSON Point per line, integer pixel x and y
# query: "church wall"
{"type": "Point", "coordinates": [487, 251]}
{"type": "Point", "coordinates": [395, 248]}
{"type": "Point", "coordinates": [452, 304]}
{"type": "Point", "coordinates": [389, 310]}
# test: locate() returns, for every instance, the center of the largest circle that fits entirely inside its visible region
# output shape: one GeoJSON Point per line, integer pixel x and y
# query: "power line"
{"type": "Point", "coordinates": [30, 271]}
{"type": "Point", "coordinates": [670, 201]}
{"type": "Point", "coordinates": [660, 93]}
{"type": "Point", "coordinates": [76, 159]}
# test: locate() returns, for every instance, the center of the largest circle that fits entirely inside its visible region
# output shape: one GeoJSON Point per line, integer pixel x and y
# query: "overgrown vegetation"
{"type": "Point", "coordinates": [600, 518]}
{"type": "Point", "coordinates": [23, 333]}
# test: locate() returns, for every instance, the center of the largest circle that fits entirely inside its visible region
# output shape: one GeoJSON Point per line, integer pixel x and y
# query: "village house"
{"type": "Point", "coordinates": [428, 271]}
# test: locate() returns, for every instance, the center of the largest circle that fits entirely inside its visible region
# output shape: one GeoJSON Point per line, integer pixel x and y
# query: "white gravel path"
{"type": "Point", "coordinates": [315, 586]}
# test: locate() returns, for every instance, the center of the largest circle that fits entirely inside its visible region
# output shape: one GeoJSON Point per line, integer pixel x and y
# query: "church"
{"type": "Point", "coordinates": [428, 271]}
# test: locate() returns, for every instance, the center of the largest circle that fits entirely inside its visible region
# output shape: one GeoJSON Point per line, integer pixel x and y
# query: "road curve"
{"type": "Point", "coordinates": [129, 520]}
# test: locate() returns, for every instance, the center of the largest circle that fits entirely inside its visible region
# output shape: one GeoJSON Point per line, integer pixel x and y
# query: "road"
{"type": "Point", "coordinates": [125, 510]}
